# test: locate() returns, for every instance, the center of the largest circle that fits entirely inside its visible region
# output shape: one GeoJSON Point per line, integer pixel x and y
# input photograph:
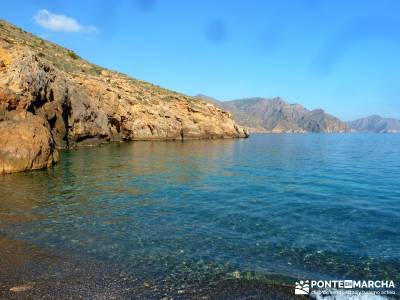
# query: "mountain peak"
{"type": "Point", "coordinates": [277, 115]}
{"type": "Point", "coordinates": [375, 123]}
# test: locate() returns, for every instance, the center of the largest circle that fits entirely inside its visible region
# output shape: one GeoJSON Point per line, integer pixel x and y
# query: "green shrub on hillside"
{"type": "Point", "coordinates": [73, 55]}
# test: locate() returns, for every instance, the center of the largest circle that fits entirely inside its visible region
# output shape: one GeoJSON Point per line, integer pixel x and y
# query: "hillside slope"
{"type": "Point", "coordinates": [278, 116]}
{"type": "Point", "coordinates": [375, 124]}
{"type": "Point", "coordinates": [52, 99]}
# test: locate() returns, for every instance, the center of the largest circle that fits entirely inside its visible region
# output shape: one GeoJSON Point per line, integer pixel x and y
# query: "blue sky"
{"type": "Point", "coordinates": [342, 56]}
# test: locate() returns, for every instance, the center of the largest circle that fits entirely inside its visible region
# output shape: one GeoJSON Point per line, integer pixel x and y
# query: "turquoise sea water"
{"type": "Point", "coordinates": [299, 206]}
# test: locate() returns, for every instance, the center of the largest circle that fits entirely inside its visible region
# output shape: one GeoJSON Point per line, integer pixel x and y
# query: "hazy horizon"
{"type": "Point", "coordinates": [333, 55]}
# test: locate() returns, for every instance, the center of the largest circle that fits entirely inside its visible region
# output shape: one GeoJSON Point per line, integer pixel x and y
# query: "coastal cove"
{"type": "Point", "coordinates": [184, 218]}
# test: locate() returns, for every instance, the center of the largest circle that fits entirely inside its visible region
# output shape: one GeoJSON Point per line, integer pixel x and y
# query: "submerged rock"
{"type": "Point", "coordinates": [68, 101]}
{"type": "Point", "coordinates": [21, 288]}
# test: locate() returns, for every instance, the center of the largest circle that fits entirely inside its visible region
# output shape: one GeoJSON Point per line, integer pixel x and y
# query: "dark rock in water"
{"type": "Point", "coordinates": [278, 116]}
{"type": "Point", "coordinates": [375, 124]}
{"type": "Point", "coordinates": [81, 103]}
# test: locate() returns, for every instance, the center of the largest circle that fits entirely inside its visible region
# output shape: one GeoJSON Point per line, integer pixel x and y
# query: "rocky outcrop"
{"type": "Point", "coordinates": [278, 116]}
{"type": "Point", "coordinates": [26, 144]}
{"type": "Point", "coordinates": [67, 101]}
{"type": "Point", "coordinates": [375, 124]}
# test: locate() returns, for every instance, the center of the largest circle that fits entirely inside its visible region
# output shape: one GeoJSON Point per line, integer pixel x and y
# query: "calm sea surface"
{"type": "Point", "coordinates": [272, 206]}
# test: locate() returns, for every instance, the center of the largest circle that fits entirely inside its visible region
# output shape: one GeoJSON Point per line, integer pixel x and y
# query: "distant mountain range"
{"type": "Point", "coordinates": [375, 123]}
{"type": "Point", "coordinates": [278, 116]}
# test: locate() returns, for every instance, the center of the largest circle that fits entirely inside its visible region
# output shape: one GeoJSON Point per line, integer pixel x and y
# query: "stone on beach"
{"type": "Point", "coordinates": [21, 288]}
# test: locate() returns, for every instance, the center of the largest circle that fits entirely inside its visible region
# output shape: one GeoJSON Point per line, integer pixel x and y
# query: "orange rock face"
{"type": "Point", "coordinates": [67, 101]}
{"type": "Point", "coordinates": [26, 144]}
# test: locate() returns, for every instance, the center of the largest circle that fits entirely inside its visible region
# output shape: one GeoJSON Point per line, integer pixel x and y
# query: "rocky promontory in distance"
{"type": "Point", "coordinates": [52, 99]}
{"type": "Point", "coordinates": [375, 124]}
{"type": "Point", "coordinates": [275, 115]}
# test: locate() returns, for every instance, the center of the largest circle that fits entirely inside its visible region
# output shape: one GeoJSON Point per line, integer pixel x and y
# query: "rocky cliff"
{"type": "Point", "coordinates": [278, 116]}
{"type": "Point", "coordinates": [52, 99]}
{"type": "Point", "coordinates": [375, 124]}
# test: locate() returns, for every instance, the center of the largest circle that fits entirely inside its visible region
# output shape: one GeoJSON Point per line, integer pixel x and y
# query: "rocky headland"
{"type": "Point", "coordinates": [275, 115]}
{"type": "Point", "coordinates": [375, 124]}
{"type": "Point", "coordinates": [51, 99]}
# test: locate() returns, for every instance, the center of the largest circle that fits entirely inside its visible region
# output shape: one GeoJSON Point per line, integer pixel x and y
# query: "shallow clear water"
{"type": "Point", "coordinates": [304, 206]}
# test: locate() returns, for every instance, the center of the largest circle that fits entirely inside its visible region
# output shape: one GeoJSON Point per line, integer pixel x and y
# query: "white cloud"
{"type": "Point", "coordinates": [63, 23]}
